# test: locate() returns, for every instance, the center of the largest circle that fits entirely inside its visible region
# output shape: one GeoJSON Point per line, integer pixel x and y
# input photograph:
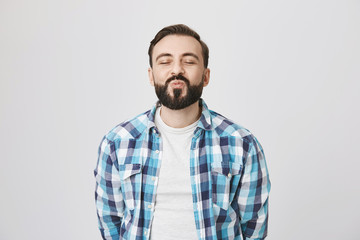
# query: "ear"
{"type": "Point", "coordinates": [206, 76]}
{"type": "Point", "coordinates": [151, 76]}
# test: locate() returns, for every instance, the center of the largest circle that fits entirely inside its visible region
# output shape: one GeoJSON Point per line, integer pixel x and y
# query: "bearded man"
{"type": "Point", "coordinates": [180, 170]}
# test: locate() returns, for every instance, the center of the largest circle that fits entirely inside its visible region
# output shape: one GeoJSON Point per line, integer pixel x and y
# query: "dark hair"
{"type": "Point", "coordinates": [179, 29]}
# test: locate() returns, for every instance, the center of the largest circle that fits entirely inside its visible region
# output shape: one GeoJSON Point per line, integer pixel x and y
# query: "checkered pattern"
{"type": "Point", "coordinates": [229, 179]}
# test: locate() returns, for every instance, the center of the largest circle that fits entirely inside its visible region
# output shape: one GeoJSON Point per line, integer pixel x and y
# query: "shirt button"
{"type": "Point", "coordinates": [157, 151]}
{"type": "Point", "coordinates": [154, 131]}
{"type": "Point", "coordinates": [229, 175]}
{"type": "Point", "coordinates": [149, 206]}
{"type": "Point", "coordinates": [145, 232]}
{"type": "Point", "coordinates": [153, 178]}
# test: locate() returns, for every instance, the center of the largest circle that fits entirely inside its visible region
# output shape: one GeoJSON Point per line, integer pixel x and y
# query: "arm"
{"type": "Point", "coordinates": [108, 197]}
{"type": "Point", "coordinates": [254, 193]}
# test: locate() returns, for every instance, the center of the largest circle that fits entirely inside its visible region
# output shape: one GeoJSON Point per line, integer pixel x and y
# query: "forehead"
{"type": "Point", "coordinates": [177, 45]}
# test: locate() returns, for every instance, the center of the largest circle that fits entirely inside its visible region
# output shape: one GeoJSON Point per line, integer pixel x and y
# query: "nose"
{"type": "Point", "coordinates": [177, 69]}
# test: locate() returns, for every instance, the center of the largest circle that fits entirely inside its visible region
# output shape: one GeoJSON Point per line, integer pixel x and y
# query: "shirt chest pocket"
{"type": "Point", "coordinates": [130, 175]}
{"type": "Point", "coordinates": [225, 178]}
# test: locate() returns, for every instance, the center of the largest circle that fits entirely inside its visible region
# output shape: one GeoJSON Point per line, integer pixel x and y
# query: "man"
{"type": "Point", "coordinates": [180, 170]}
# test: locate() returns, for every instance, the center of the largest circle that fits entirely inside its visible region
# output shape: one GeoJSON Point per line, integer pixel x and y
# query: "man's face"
{"type": "Point", "coordinates": [178, 71]}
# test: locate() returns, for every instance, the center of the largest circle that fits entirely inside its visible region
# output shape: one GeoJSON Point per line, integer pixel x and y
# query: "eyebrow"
{"type": "Point", "coordinates": [163, 55]}
{"type": "Point", "coordinates": [191, 55]}
{"type": "Point", "coordinates": [183, 55]}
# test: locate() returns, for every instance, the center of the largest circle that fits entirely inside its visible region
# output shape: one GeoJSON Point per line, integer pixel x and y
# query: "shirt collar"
{"type": "Point", "coordinates": [204, 122]}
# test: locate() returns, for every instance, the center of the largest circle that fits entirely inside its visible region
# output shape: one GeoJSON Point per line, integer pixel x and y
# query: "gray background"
{"type": "Point", "coordinates": [286, 70]}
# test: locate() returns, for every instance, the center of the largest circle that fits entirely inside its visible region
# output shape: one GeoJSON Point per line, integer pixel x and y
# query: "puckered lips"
{"type": "Point", "coordinates": [177, 84]}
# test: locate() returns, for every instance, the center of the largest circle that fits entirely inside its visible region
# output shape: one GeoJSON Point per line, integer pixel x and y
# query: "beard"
{"type": "Point", "coordinates": [177, 101]}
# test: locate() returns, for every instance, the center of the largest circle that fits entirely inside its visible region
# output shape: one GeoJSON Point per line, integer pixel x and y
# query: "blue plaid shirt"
{"type": "Point", "coordinates": [229, 179]}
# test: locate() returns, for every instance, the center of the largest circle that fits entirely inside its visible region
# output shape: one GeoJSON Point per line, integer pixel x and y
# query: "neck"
{"type": "Point", "coordinates": [181, 118]}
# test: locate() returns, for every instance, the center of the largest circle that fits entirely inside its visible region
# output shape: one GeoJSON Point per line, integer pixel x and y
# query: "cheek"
{"type": "Point", "coordinates": [196, 75]}
{"type": "Point", "coordinates": [160, 76]}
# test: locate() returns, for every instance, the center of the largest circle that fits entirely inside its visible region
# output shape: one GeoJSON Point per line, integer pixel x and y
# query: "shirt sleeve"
{"type": "Point", "coordinates": [254, 194]}
{"type": "Point", "coordinates": [108, 197]}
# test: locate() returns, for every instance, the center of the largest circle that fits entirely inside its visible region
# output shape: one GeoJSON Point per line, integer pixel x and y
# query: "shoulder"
{"type": "Point", "coordinates": [129, 129]}
{"type": "Point", "coordinates": [225, 127]}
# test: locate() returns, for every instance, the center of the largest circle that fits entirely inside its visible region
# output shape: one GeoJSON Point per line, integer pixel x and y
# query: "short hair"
{"type": "Point", "coordinates": [179, 29]}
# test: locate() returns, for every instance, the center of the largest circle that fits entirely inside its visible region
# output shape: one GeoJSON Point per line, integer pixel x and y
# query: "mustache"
{"type": "Point", "coordinates": [177, 77]}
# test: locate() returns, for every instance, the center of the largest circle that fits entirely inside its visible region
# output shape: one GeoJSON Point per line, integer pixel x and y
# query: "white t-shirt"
{"type": "Point", "coordinates": [174, 215]}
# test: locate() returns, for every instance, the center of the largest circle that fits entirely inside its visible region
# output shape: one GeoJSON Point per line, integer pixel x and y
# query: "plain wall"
{"type": "Point", "coordinates": [72, 70]}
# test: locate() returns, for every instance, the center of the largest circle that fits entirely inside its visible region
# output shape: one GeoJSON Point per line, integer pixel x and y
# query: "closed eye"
{"type": "Point", "coordinates": [190, 60]}
{"type": "Point", "coordinates": [164, 62]}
